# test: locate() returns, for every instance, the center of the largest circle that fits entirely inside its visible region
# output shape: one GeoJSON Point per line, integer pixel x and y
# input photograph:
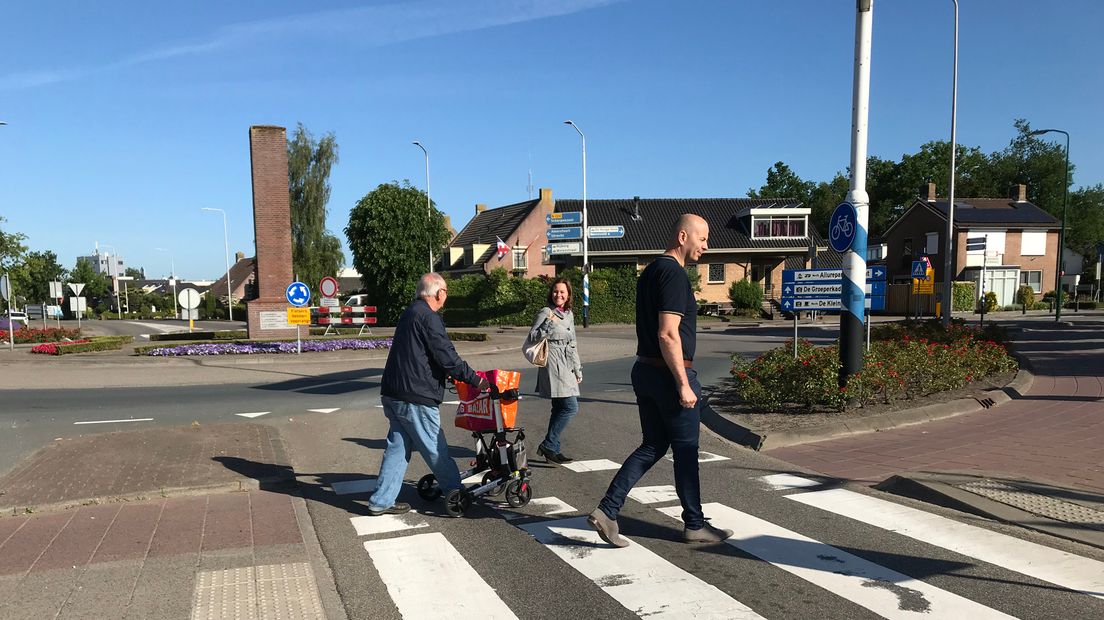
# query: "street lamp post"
{"type": "Point", "coordinates": [226, 250]}
{"type": "Point", "coordinates": [1062, 231]}
{"type": "Point", "coordinates": [948, 288]}
{"type": "Point", "coordinates": [176, 302]}
{"type": "Point", "coordinates": [429, 203]}
{"type": "Point", "coordinates": [586, 255]}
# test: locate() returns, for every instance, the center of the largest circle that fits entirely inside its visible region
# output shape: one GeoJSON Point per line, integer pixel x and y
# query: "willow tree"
{"type": "Point", "coordinates": [315, 251]}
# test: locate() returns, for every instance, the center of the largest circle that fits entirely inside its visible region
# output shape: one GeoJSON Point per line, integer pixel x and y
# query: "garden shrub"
{"type": "Point", "coordinates": [745, 295]}
{"type": "Point", "coordinates": [990, 302]}
{"type": "Point", "coordinates": [1025, 296]}
{"type": "Point", "coordinates": [963, 295]}
{"type": "Point", "coordinates": [903, 362]}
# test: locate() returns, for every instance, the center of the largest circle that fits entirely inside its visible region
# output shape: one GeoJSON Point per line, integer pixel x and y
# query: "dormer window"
{"type": "Point", "coordinates": [778, 226]}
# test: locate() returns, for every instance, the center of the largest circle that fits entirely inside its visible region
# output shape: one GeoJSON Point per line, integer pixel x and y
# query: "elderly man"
{"type": "Point", "coordinates": [413, 386]}
{"type": "Point", "coordinates": [667, 390]}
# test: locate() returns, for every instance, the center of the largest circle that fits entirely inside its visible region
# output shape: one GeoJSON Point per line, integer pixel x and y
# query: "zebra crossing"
{"type": "Point", "coordinates": [412, 558]}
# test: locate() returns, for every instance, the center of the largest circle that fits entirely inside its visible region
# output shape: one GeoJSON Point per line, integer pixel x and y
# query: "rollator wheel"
{"type": "Point", "coordinates": [428, 489]}
{"type": "Point", "coordinates": [456, 502]}
{"type": "Point", "coordinates": [489, 478]}
{"type": "Point", "coordinates": [518, 493]}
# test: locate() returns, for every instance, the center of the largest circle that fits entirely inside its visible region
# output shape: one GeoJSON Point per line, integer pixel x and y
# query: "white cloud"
{"type": "Point", "coordinates": [370, 26]}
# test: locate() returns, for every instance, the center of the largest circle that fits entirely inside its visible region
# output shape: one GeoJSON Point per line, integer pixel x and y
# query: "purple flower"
{"type": "Point", "coordinates": [255, 348]}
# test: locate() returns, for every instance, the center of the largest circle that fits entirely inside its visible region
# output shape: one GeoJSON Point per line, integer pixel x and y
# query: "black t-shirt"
{"type": "Point", "coordinates": [664, 287]}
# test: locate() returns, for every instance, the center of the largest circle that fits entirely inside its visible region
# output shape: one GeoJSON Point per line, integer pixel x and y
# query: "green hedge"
{"type": "Point", "coordinates": [97, 343]}
{"type": "Point", "coordinates": [226, 334]}
{"type": "Point", "coordinates": [965, 296]}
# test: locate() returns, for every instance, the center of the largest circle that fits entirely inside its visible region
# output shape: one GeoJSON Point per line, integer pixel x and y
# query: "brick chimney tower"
{"type": "Point", "coordinates": [272, 231]}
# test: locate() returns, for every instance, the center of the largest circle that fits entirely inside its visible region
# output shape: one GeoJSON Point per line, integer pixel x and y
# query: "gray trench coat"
{"type": "Point", "coordinates": [560, 378]}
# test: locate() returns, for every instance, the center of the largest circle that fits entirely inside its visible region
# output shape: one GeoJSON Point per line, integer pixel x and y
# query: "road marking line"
{"type": "Point", "coordinates": [1071, 571]}
{"type": "Point", "coordinates": [368, 525]}
{"type": "Point", "coordinates": [115, 421]}
{"type": "Point", "coordinates": [331, 410]}
{"type": "Point", "coordinates": [350, 487]}
{"type": "Point", "coordinates": [595, 465]}
{"type": "Point", "coordinates": [703, 457]}
{"type": "Point", "coordinates": [654, 495]}
{"type": "Point", "coordinates": [643, 582]}
{"type": "Point", "coordinates": [545, 507]}
{"type": "Point", "coordinates": [427, 577]}
{"type": "Point", "coordinates": [885, 592]}
{"type": "Point", "coordinates": [782, 482]}
{"type": "Point", "coordinates": [255, 414]}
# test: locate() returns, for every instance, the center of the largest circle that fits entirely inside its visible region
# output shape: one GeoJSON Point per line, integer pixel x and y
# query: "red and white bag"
{"type": "Point", "coordinates": [476, 411]}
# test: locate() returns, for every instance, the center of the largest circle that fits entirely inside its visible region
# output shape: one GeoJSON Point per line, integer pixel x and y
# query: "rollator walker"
{"type": "Point", "coordinates": [499, 446]}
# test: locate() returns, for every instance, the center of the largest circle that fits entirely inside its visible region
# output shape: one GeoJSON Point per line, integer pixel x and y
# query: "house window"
{"type": "Point", "coordinates": [1033, 243]}
{"type": "Point", "coordinates": [716, 273]}
{"type": "Point", "coordinates": [785, 226]}
{"type": "Point", "coordinates": [931, 243]}
{"type": "Point", "coordinates": [1034, 279]}
{"type": "Point", "coordinates": [520, 260]}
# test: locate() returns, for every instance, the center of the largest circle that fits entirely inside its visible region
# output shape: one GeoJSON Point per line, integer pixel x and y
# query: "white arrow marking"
{"type": "Point", "coordinates": [252, 415]}
{"type": "Point", "coordinates": [331, 410]}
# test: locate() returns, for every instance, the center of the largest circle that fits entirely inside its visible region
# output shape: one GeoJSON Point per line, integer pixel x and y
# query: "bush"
{"type": "Point", "coordinates": [96, 343]}
{"type": "Point", "coordinates": [964, 296]}
{"type": "Point", "coordinates": [1025, 296]}
{"type": "Point", "coordinates": [745, 295]}
{"type": "Point", "coordinates": [903, 362]}
{"type": "Point", "coordinates": [989, 304]}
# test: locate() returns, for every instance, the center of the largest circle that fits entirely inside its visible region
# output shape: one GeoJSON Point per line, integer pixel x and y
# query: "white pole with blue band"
{"type": "Point", "coordinates": [853, 292]}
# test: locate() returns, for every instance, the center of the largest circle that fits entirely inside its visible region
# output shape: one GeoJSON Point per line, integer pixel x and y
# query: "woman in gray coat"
{"type": "Point", "coordinates": [560, 378]}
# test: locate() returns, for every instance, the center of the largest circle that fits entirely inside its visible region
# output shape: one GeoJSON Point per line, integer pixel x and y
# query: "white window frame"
{"type": "Point", "coordinates": [709, 274]}
{"type": "Point", "coordinates": [522, 252]}
{"type": "Point", "coordinates": [931, 243]}
{"type": "Point", "coordinates": [769, 219]}
{"type": "Point", "coordinates": [1025, 279]}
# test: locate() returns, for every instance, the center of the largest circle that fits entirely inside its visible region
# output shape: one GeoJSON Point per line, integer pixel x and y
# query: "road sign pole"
{"type": "Point", "coordinates": [854, 264]}
{"type": "Point", "coordinates": [795, 335]}
{"type": "Point", "coordinates": [298, 342]}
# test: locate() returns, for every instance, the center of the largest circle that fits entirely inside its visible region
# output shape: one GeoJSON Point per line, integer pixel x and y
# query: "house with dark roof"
{"type": "Point", "coordinates": [1021, 242]}
{"type": "Point", "coordinates": [748, 238]}
{"type": "Point", "coordinates": [242, 274]}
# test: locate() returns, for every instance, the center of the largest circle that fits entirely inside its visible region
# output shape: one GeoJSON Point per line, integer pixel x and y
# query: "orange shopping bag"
{"type": "Point", "coordinates": [476, 411]}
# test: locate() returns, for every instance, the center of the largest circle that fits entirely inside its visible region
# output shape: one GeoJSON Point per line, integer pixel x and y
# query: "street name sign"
{"type": "Point", "coordinates": [822, 289]}
{"type": "Point", "coordinates": [975, 243]}
{"type": "Point", "coordinates": [567, 217]}
{"type": "Point", "coordinates": [789, 304]}
{"type": "Point", "coordinates": [877, 272]}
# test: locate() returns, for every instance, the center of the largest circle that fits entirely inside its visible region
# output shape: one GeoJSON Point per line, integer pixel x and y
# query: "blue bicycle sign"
{"type": "Point", "coordinates": [298, 294]}
{"type": "Point", "coordinates": [841, 228]}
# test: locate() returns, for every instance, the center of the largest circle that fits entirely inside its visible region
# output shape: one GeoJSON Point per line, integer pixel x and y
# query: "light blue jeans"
{"type": "Point", "coordinates": [412, 427]}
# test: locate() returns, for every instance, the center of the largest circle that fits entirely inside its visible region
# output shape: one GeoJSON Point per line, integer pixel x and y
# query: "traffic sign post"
{"type": "Point", "coordinates": [298, 295]}
{"type": "Point", "coordinates": [571, 247]}
{"type": "Point", "coordinates": [328, 288]}
{"type": "Point", "coordinates": [564, 218]}
{"type": "Point", "coordinates": [564, 233]}
{"type": "Point", "coordinates": [605, 232]}
{"type": "Point", "coordinates": [821, 289]}
{"type": "Point", "coordinates": [189, 300]}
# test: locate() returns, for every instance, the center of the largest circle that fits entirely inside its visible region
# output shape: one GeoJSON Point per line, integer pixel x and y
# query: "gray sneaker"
{"type": "Point", "coordinates": [707, 534]}
{"type": "Point", "coordinates": [606, 528]}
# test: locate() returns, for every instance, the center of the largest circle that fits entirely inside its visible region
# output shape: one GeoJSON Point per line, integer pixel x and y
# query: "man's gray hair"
{"type": "Point", "coordinates": [428, 285]}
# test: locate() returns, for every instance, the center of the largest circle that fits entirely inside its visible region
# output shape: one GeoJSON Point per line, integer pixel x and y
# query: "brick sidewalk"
{"type": "Point", "coordinates": [1054, 433]}
{"type": "Point", "coordinates": [146, 559]}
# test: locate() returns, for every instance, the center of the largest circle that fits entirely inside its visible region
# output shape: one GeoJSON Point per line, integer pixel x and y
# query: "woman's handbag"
{"type": "Point", "coordinates": [536, 353]}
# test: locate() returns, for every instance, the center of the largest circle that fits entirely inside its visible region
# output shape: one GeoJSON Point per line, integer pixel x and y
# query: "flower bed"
{"type": "Point", "coordinates": [85, 345]}
{"type": "Point", "coordinates": [54, 348]}
{"type": "Point", "coordinates": [50, 334]}
{"type": "Point", "coordinates": [903, 362]}
{"type": "Point", "coordinates": [255, 348]}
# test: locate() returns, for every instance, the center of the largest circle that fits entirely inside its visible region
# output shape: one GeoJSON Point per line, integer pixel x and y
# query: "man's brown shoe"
{"type": "Point", "coordinates": [606, 528]}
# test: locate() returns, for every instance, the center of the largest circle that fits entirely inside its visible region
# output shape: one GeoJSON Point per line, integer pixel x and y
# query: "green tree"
{"type": "Point", "coordinates": [136, 273]}
{"type": "Point", "coordinates": [97, 286]}
{"type": "Point", "coordinates": [11, 248]}
{"type": "Point", "coordinates": [32, 276]}
{"type": "Point", "coordinates": [1085, 220]}
{"type": "Point", "coordinates": [315, 251]}
{"type": "Point", "coordinates": [389, 236]}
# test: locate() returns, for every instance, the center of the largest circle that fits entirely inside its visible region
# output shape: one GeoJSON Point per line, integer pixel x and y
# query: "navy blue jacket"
{"type": "Point", "coordinates": [421, 357]}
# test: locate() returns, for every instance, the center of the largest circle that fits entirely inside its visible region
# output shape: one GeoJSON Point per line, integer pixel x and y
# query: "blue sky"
{"type": "Point", "coordinates": [125, 118]}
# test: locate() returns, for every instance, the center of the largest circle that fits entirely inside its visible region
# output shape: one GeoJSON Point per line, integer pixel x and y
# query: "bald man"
{"type": "Point", "coordinates": [666, 386]}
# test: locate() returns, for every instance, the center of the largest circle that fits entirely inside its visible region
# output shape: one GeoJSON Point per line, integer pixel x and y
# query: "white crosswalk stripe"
{"type": "Point", "coordinates": [640, 580]}
{"type": "Point", "coordinates": [594, 465]}
{"type": "Point", "coordinates": [782, 482]}
{"type": "Point", "coordinates": [427, 577]}
{"type": "Point", "coordinates": [382, 524]}
{"type": "Point", "coordinates": [885, 592]}
{"type": "Point", "coordinates": [1051, 565]}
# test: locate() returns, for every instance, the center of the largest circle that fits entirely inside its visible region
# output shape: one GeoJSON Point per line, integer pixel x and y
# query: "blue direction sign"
{"type": "Point", "coordinates": [842, 227]}
{"type": "Point", "coordinates": [298, 294]}
{"type": "Point", "coordinates": [605, 232]}
{"type": "Point", "coordinates": [821, 289]}
{"type": "Point", "coordinates": [567, 217]}
{"type": "Point", "coordinates": [563, 234]}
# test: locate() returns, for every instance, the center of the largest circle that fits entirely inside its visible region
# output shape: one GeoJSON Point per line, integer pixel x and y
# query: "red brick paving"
{"type": "Point", "coordinates": [1054, 433]}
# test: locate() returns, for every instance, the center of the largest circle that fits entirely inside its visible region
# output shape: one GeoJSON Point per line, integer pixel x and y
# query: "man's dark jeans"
{"type": "Point", "coordinates": [664, 424]}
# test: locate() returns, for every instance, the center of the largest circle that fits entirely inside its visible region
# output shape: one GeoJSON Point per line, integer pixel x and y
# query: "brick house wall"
{"type": "Point", "coordinates": [531, 235]}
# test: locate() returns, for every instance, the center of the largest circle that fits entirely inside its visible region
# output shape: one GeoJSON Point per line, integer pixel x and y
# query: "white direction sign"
{"type": "Point", "coordinates": [57, 290]}
{"type": "Point", "coordinates": [78, 304]}
{"type": "Point", "coordinates": [77, 287]}
{"type": "Point", "coordinates": [188, 298]}
{"type": "Point", "coordinates": [825, 304]}
{"type": "Point", "coordinates": [571, 247]}
{"type": "Point", "coordinates": [797, 290]}
{"type": "Point", "coordinates": [807, 275]}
